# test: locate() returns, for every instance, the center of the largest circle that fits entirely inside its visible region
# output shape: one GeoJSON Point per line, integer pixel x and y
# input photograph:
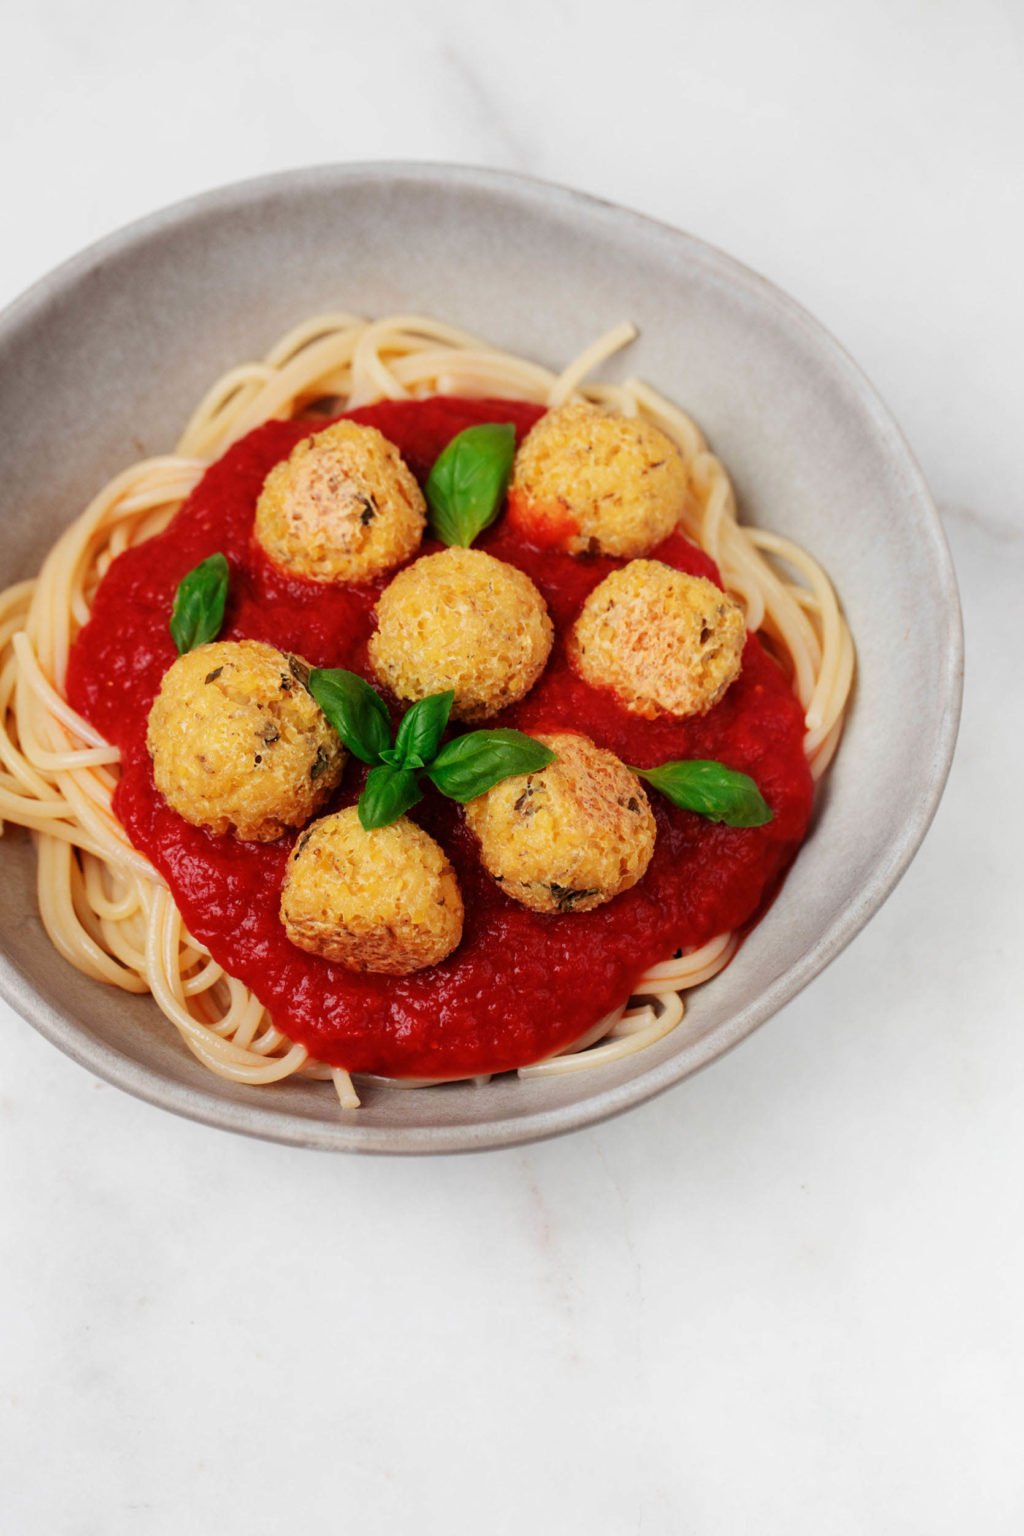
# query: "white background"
{"type": "Point", "coordinates": [786, 1297]}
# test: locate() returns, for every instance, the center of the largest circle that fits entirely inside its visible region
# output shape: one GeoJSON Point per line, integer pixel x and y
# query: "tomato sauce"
{"type": "Point", "coordinates": [521, 984]}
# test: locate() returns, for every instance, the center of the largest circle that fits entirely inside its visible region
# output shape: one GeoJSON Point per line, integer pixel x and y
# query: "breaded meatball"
{"type": "Point", "coordinates": [344, 506]}
{"type": "Point", "coordinates": [569, 837]}
{"type": "Point", "coordinates": [385, 900]}
{"type": "Point", "coordinates": [238, 745]}
{"type": "Point", "coordinates": [664, 642]}
{"type": "Point", "coordinates": [588, 481]}
{"type": "Point", "coordinates": [462, 620]}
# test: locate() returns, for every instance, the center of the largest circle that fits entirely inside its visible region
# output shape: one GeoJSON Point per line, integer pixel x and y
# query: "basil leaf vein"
{"type": "Point", "coordinates": [472, 764]}
{"type": "Point", "coordinates": [468, 480]}
{"type": "Point", "coordinates": [711, 790]}
{"type": "Point", "coordinates": [353, 709]}
{"type": "Point", "coordinates": [199, 602]}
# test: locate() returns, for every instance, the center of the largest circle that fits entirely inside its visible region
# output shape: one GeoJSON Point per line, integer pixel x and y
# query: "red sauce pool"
{"type": "Point", "coordinates": [520, 985]}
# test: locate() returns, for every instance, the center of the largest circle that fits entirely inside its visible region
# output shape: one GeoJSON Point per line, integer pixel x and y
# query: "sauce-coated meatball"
{"type": "Point", "coordinates": [569, 837]}
{"type": "Point", "coordinates": [461, 620]}
{"type": "Point", "coordinates": [664, 642]}
{"type": "Point", "coordinates": [238, 744]}
{"type": "Point", "coordinates": [588, 481]}
{"type": "Point", "coordinates": [344, 506]}
{"type": "Point", "coordinates": [385, 900]}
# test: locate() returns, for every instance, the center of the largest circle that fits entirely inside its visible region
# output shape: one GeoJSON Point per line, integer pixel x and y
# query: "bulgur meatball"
{"type": "Point", "coordinates": [569, 837]}
{"type": "Point", "coordinates": [664, 642]}
{"type": "Point", "coordinates": [385, 900]}
{"type": "Point", "coordinates": [344, 506]}
{"type": "Point", "coordinates": [238, 745]}
{"type": "Point", "coordinates": [462, 620]}
{"type": "Point", "coordinates": [589, 481]}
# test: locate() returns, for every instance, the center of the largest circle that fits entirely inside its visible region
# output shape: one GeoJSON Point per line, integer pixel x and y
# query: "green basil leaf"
{"type": "Point", "coordinates": [198, 611]}
{"type": "Point", "coordinates": [354, 710]}
{"type": "Point", "coordinates": [422, 728]}
{"type": "Point", "coordinates": [712, 790]}
{"type": "Point", "coordinates": [468, 480]}
{"type": "Point", "coordinates": [472, 764]}
{"type": "Point", "coordinates": [388, 793]}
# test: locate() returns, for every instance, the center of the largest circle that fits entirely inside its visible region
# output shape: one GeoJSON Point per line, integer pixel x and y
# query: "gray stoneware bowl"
{"type": "Point", "coordinates": [118, 345]}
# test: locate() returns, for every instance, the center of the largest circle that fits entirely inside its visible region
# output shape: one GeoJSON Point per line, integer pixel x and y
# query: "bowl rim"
{"type": "Point", "coordinates": [266, 1122]}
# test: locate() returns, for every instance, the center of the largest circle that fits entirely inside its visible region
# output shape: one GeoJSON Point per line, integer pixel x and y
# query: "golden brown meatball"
{"type": "Point", "coordinates": [344, 506]}
{"type": "Point", "coordinates": [385, 900]}
{"type": "Point", "coordinates": [664, 642]}
{"type": "Point", "coordinates": [462, 620]}
{"type": "Point", "coordinates": [237, 743]}
{"type": "Point", "coordinates": [569, 837]}
{"type": "Point", "coordinates": [588, 481]}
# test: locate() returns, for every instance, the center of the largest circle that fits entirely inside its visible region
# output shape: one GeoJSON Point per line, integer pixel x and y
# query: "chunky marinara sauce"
{"type": "Point", "coordinates": [521, 984]}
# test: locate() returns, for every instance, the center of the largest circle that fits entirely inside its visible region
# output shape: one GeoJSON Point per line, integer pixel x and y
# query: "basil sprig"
{"type": "Point", "coordinates": [198, 610]}
{"type": "Point", "coordinates": [468, 480]}
{"type": "Point", "coordinates": [712, 790]}
{"type": "Point", "coordinates": [466, 767]}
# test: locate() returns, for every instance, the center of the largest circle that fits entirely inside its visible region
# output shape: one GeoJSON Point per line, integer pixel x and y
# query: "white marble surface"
{"type": "Point", "coordinates": [785, 1298]}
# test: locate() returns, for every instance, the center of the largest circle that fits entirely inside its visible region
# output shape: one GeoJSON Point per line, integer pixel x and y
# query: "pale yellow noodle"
{"type": "Point", "coordinates": [599, 351]}
{"type": "Point", "coordinates": [105, 908]}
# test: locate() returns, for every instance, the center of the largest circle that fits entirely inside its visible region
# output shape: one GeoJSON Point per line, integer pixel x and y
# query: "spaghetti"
{"type": "Point", "coordinates": [105, 908]}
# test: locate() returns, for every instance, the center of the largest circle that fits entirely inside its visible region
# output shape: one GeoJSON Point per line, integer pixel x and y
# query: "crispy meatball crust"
{"type": "Point", "coordinates": [462, 620]}
{"type": "Point", "coordinates": [238, 745]}
{"type": "Point", "coordinates": [344, 506]}
{"type": "Point", "coordinates": [664, 642]}
{"type": "Point", "coordinates": [569, 837]}
{"type": "Point", "coordinates": [385, 900]}
{"type": "Point", "coordinates": [588, 481]}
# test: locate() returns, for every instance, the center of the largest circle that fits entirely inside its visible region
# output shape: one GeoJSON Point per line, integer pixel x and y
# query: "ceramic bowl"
{"type": "Point", "coordinates": [117, 346]}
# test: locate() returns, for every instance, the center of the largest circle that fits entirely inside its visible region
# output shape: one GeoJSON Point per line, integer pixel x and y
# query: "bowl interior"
{"type": "Point", "coordinates": [113, 351]}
